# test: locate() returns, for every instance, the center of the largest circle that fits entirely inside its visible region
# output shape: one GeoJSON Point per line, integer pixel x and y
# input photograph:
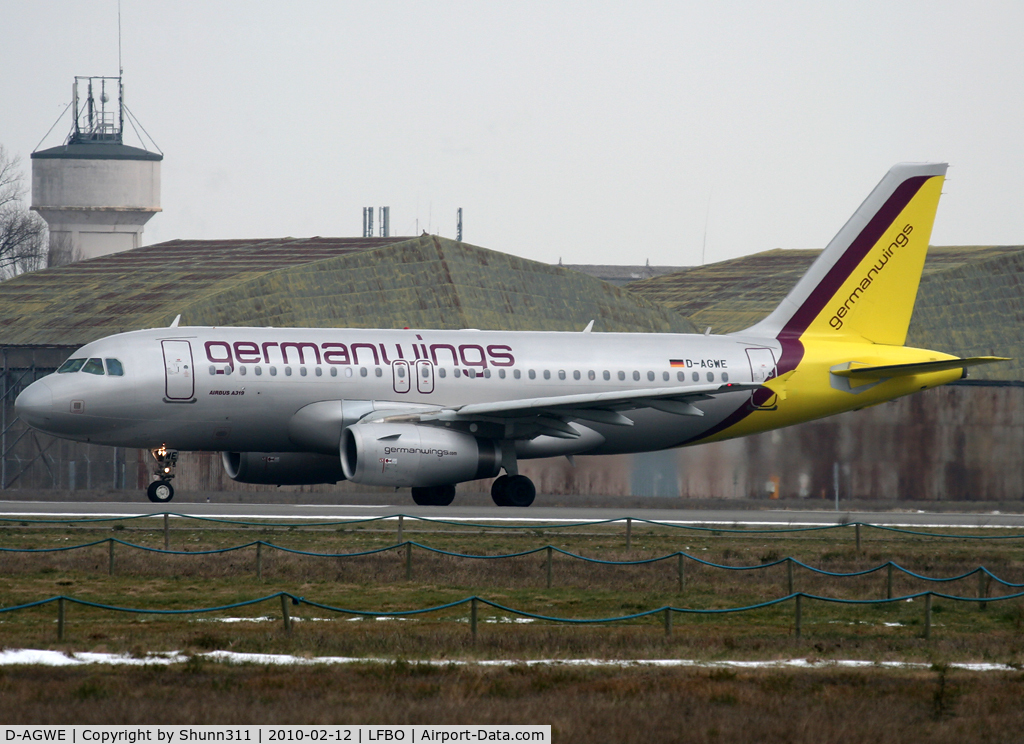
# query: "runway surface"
{"type": "Point", "coordinates": [553, 515]}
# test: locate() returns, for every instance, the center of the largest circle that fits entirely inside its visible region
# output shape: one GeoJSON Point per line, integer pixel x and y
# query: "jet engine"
{"type": "Point", "coordinates": [401, 455]}
{"type": "Point", "coordinates": [282, 468]}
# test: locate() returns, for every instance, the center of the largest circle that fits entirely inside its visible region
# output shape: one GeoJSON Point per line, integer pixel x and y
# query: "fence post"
{"type": "Point", "coordinates": [927, 616]}
{"type": "Point", "coordinates": [682, 576]}
{"type": "Point", "coordinates": [60, 619]}
{"type": "Point", "coordinates": [285, 613]}
{"type": "Point", "coordinates": [167, 532]}
{"type": "Point", "coordinates": [400, 529]}
{"type": "Point", "coordinates": [408, 561]}
{"type": "Point", "coordinates": [629, 532]}
{"type": "Point", "coordinates": [259, 560]}
{"type": "Point", "coordinates": [668, 622]}
{"type": "Point", "coordinates": [110, 562]}
{"type": "Point", "coordinates": [983, 580]}
{"type": "Point", "coordinates": [798, 615]}
{"type": "Point", "coordinates": [888, 581]}
{"type": "Point", "coordinates": [550, 551]}
{"type": "Point", "coordinates": [473, 618]}
{"type": "Point", "coordinates": [789, 576]}
{"type": "Point", "coordinates": [858, 536]}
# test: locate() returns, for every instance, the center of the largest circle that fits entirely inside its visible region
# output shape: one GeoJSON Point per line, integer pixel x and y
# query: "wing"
{"type": "Point", "coordinates": [526, 418]}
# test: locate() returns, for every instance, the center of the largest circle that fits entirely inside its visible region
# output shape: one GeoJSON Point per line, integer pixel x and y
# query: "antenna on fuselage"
{"type": "Point", "coordinates": [589, 327]}
{"type": "Point", "coordinates": [174, 323]}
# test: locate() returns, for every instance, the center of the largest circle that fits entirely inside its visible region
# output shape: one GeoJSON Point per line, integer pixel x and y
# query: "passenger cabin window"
{"type": "Point", "coordinates": [622, 375]}
{"type": "Point", "coordinates": [93, 367]}
{"type": "Point", "coordinates": [725, 377]}
{"type": "Point", "coordinates": [606, 375]}
{"type": "Point", "coordinates": [533, 375]}
{"type": "Point", "coordinates": [547, 374]}
{"type": "Point", "coordinates": [650, 376]}
{"type": "Point", "coordinates": [71, 365]}
{"type": "Point", "coordinates": [517, 374]}
{"type": "Point", "coordinates": [441, 372]}
{"type": "Point", "coordinates": [636, 375]}
{"type": "Point", "coordinates": [696, 376]}
{"type": "Point", "coordinates": [680, 376]}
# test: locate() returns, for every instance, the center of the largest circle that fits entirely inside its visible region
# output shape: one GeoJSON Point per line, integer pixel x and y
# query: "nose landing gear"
{"type": "Point", "coordinates": [161, 491]}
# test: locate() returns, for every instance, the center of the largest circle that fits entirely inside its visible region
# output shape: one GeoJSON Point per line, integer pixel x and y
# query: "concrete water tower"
{"type": "Point", "coordinates": [95, 192]}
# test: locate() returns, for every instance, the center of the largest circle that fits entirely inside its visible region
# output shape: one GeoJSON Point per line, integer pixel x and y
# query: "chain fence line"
{"type": "Point", "coordinates": [891, 566]}
{"type": "Point", "coordinates": [544, 526]}
{"type": "Point", "coordinates": [666, 611]}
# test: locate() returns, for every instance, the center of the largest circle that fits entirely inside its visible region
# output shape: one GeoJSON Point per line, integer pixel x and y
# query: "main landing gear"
{"type": "Point", "coordinates": [433, 495]}
{"type": "Point", "coordinates": [513, 490]}
{"type": "Point", "coordinates": [161, 491]}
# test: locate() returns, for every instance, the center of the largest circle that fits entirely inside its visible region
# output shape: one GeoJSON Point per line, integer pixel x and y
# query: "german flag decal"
{"type": "Point", "coordinates": [676, 363]}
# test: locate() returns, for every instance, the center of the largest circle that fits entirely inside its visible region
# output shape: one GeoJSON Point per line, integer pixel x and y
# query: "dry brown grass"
{"type": "Point", "coordinates": [581, 704]}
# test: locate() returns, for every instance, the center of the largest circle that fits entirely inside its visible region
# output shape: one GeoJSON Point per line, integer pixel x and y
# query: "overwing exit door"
{"type": "Point", "coordinates": [400, 370]}
{"type": "Point", "coordinates": [424, 376]}
{"type": "Point", "coordinates": [179, 373]}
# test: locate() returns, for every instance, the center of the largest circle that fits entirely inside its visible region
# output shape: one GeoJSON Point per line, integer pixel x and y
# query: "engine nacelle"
{"type": "Point", "coordinates": [410, 455]}
{"type": "Point", "coordinates": [282, 468]}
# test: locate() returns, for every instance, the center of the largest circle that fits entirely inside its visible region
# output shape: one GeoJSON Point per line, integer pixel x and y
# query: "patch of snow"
{"type": "Point", "coordinates": [10, 657]}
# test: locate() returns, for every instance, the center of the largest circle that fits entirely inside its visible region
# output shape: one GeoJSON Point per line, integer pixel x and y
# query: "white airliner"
{"type": "Point", "coordinates": [429, 409]}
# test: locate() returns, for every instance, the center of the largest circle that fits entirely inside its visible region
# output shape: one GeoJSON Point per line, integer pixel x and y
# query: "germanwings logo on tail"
{"type": "Point", "coordinates": [901, 239]}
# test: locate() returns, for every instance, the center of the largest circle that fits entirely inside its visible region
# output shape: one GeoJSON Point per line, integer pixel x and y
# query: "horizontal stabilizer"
{"type": "Point", "coordinates": [907, 370]}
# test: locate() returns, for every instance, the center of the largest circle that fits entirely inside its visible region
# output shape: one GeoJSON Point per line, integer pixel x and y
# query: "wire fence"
{"type": "Point", "coordinates": [627, 521]}
{"type": "Point", "coordinates": [666, 612]}
{"type": "Point", "coordinates": [985, 576]}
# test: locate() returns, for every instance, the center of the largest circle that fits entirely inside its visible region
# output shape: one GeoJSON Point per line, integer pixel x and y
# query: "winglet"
{"type": "Point", "coordinates": [174, 323]}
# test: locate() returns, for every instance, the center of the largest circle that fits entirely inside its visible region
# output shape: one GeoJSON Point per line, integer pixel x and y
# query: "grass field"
{"type": "Point", "coordinates": [584, 704]}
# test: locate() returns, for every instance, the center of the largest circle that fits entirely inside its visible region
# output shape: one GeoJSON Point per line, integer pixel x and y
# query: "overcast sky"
{"type": "Point", "coordinates": [595, 132]}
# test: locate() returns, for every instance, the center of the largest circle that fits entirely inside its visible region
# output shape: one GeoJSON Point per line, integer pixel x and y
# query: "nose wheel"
{"type": "Point", "coordinates": [161, 491]}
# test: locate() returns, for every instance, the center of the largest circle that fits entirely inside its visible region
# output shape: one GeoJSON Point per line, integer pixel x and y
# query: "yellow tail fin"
{"type": "Point", "coordinates": [864, 284]}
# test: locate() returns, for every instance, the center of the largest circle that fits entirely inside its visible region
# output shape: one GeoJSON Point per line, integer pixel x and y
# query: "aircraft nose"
{"type": "Point", "coordinates": [35, 404]}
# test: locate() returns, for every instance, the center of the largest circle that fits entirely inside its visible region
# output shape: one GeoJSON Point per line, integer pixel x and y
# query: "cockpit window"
{"type": "Point", "coordinates": [71, 365]}
{"type": "Point", "coordinates": [114, 368]}
{"type": "Point", "coordinates": [93, 367]}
